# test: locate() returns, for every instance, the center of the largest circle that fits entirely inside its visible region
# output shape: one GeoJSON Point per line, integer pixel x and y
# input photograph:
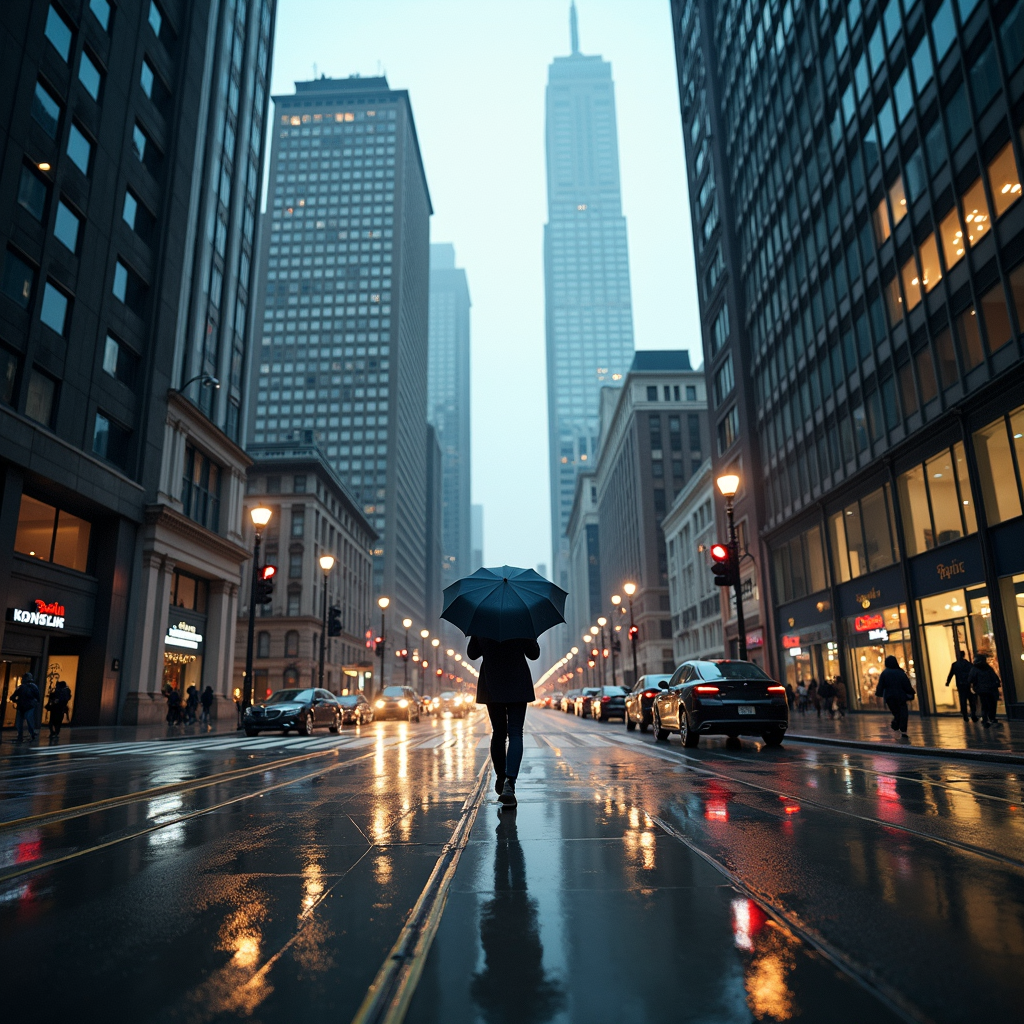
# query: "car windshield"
{"type": "Point", "coordinates": [651, 682]}
{"type": "Point", "coordinates": [591, 690]}
{"type": "Point", "coordinates": [614, 691]}
{"type": "Point", "coordinates": [731, 670]}
{"type": "Point", "coordinates": [393, 691]}
{"type": "Point", "coordinates": [290, 696]}
{"type": "Point", "coordinates": [349, 702]}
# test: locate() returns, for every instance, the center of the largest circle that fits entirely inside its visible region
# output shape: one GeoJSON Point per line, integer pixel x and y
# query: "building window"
{"type": "Point", "coordinates": [8, 376]}
{"type": "Point", "coordinates": [1000, 451]}
{"type": "Point", "coordinates": [189, 592]}
{"type": "Point", "coordinates": [974, 207]}
{"type": "Point", "coordinates": [18, 280]}
{"type": "Point", "coordinates": [652, 394]}
{"type": "Point", "coordinates": [863, 536]}
{"type": "Point", "coordinates": [299, 485]}
{"type": "Point", "coordinates": [725, 381]}
{"type": "Point", "coordinates": [291, 644]}
{"type": "Point", "coordinates": [936, 501]}
{"type": "Point", "coordinates": [79, 149]}
{"type": "Point", "coordinates": [39, 401]}
{"type": "Point", "coordinates": [675, 434]}
{"type": "Point", "coordinates": [294, 600]}
{"type": "Point", "coordinates": [52, 535]}
{"type": "Point", "coordinates": [1004, 179]}
{"type": "Point", "coordinates": [33, 193]}
{"type": "Point", "coordinates": [54, 308]}
{"type": "Point", "coordinates": [298, 522]}
{"type": "Point", "coordinates": [101, 11]}
{"type": "Point", "coordinates": [66, 226]}
{"type": "Point", "coordinates": [118, 361]}
{"type": "Point", "coordinates": [90, 75]}
{"type": "Point", "coordinates": [728, 430]}
{"type": "Point", "coordinates": [263, 644]}
{"type": "Point", "coordinates": [200, 491]}
{"type": "Point", "coordinates": [720, 330]}
{"type": "Point", "coordinates": [295, 565]}
{"type": "Point", "coordinates": [58, 31]}
{"type": "Point", "coordinates": [800, 567]}
{"type": "Point", "coordinates": [110, 440]}
{"type": "Point", "coordinates": [46, 110]}
{"type": "Point", "coordinates": [691, 392]}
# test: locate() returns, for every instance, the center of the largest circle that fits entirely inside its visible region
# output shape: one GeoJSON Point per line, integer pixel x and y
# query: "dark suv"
{"type": "Point", "coordinates": [731, 698]}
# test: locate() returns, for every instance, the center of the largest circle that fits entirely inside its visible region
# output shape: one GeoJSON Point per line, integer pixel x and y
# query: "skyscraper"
{"type": "Point", "coordinates": [448, 403]}
{"type": "Point", "coordinates": [343, 349]}
{"type": "Point", "coordinates": [855, 181]}
{"type": "Point", "coordinates": [133, 137]}
{"type": "Point", "coordinates": [588, 315]}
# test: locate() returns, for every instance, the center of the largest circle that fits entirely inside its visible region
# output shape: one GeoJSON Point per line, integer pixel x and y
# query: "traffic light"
{"type": "Point", "coordinates": [265, 584]}
{"type": "Point", "coordinates": [378, 645]}
{"type": "Point", "coordinates": [334, 621]}
{"type": "Point", "coordinates": [633, 631]}
{"type": "Point", "coordinates": [723, 565]}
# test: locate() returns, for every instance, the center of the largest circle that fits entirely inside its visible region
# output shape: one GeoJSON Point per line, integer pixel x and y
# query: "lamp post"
{"type": "Point", "coordinates": [407, 623]}
{"type": "Point", "coordinates": [630, 589]}
{"type": "Point", "coordinates": [602, 622]}
{"type": "Point", "coordinates": [260, 516]}
{"type": "Point", "coordinates": [382, 603]}
{"type": "Point", "coordinates": [424, 633]}
{"type": "Point", "coordinates": [327, 564]}
{"type": "Point", "coordinates": [616, 602]}
{"type": "Point", "coordinates": [729, 484]}
{"type": "Point", "coordinates": [435, 643]}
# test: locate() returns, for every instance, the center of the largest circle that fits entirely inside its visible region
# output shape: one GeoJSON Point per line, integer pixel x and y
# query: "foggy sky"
{"type": "Point", "coordinates": [476, 72]}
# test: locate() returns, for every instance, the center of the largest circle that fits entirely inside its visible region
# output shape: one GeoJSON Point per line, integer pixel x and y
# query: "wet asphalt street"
{"type": "Point", "coordinates": [268, 879]}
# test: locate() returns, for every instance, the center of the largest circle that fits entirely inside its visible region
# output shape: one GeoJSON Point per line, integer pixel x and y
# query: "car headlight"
{"type": "Point", "coordinates": [379, 704]}
{"type": "Point", "coordinates": [403, 703]}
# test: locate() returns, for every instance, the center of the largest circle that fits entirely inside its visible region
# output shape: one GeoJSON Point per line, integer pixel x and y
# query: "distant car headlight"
{"type": "Point", "coordinates": [435, 702]}
{"type": "Point", "coordinates": [379, 704]}
{"type": "Point", "coordinates": [403, 703]}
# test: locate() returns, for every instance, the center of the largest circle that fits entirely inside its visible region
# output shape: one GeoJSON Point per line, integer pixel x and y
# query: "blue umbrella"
{"type": "Point", "coordinates": [504, 603]}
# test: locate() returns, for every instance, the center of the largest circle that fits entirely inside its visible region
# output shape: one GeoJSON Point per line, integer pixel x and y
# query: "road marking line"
{"type": "Point", "coordinates": [388, 997]}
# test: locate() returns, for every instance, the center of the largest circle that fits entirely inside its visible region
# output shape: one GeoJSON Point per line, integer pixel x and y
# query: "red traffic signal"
{"type": "Point", "coordinates": [720, 552]}
{"type": "Point", "coordinates": [724, 565]}
{"type": "Point", "coordinates": [378, 645]}
{"type": "Point", "coordinates": [265, 584]}
{"type": "Point", "coordinates": [633, 631]}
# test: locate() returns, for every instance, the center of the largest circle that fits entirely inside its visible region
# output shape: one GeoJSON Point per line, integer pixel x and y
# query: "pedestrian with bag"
{"type": "Point", "coordinates": [985, 683]}
{"type": "Point", "coordinates": [26, 699]}
{"type": "Point", "coordinates": [207, 702]}
{"type": "Point", "coordinates": [895, 688]}
{"type": "Point", "coordinates": [827, 695]}
{"type": "Point", "coordinates": [840, 688]}
{"type": "Point", "coordinates": [960, 671]}
{"type": "Point", "coordinates": [57, 705]}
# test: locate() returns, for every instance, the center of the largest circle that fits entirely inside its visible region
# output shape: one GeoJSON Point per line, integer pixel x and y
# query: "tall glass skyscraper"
{"type": "Point", "coordinates": [589, 317]}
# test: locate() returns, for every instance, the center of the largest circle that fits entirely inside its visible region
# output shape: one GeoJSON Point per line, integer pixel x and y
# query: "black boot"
{"type": "Point", "coordinates": [508, 793]}
{"type": "Point", "coordinates": [499, 784]}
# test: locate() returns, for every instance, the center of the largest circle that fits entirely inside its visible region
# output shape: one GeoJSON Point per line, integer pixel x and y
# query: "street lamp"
{"type": "Point", "coordinates": [382, 604]}
{"type": "Point", "coordinates": [327, 564]}
{"type": "Point", "coordinates": [729, 484]}
{"type": "Point", "coordinates": [602, 622]}
{"type": "Point", "coordinates": [630, 589]}
{"type": "Point", "coordinates": [260, 516]}
{"type": "Point", "coordinates": [435, 643]}
{"type": "Point", "coordinates": [407, 623]}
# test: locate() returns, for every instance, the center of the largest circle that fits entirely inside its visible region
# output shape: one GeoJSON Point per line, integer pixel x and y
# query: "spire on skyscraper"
{"type": "Point", "coordinates": [574, 28]}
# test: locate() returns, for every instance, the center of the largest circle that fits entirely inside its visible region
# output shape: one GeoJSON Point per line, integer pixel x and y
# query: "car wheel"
{"type": "Point", "coordinates": [630, 724]}
{"type": "Point", "coordinates": [773, 737]}
{"type": "Point", "coordinates": [336, 727]}
{"type": "Point", "coordinates": [687, 733]}
{"type": "Point", "coordinates": [251, 732]}
{"type": "Point", "coordinates": [661, 735]}
{"type": "Point", "coordinates": [306, 726]}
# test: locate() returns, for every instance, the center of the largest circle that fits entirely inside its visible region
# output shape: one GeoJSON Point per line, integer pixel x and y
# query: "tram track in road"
{"type": "Point", "coordinates": [42, 865]}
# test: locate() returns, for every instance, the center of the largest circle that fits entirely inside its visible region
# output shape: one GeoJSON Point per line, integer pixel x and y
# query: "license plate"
{"type": "Point", "coordinates": [746, 709]}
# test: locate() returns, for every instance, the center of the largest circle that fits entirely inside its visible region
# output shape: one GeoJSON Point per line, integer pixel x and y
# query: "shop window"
{"type": "Point", "coordinates": [974, 207]}
{"type": "Point", "coordinates": [952, 236]}
{"type": "Point", "coordinates": [52, 535]}
{"type": "Point", "coordinates": [1000, 473]}
{"type": "Point", "coordinates": [997, 318]}
{"type": "Point", "coordinates": [263, 644]}
{"type": "Point", "coordinates": [931, 272]}
{"type": "Point", "coordinates": [200, 490]}
{"type": "Point", "coordinates": [936, 501]}
{"type": "Point", "coordinates": [1004, 180]}
{"type": "Point", "coordinates": [969, 339]}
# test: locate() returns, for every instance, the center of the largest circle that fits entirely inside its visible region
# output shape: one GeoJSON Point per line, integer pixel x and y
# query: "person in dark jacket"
{"type": "Point", "coordinates": [26, 699]}
{"type": "Point", "coordinates": [827, 696]}
{"type": "Point", "coordinates": [191, 703]}
{"type": "Point", "coordinates": [985, 683]}
{"type": "Point", "coordinates": [812, 696]}
{"type": "Point", "coordinates": [57, 705]}
{"type": "Point", "coordinates": [173, 706]}
{"type": "Point", "coordinates": [960, 670]}
{"type": "Point", "coordinates": [207, 701]}
{"type": "Point", "coordinates": [505, 686]}
{"type": "Point", "coordinates": [895, 688]}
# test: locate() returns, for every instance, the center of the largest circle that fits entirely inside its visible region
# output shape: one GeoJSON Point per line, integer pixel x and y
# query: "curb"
{"type": "Point", "coordinates": [949, 753]}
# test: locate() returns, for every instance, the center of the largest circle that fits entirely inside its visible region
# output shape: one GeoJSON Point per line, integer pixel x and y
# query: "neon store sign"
{"type": "Point", "coordinates": [48, 614]}
{"type": "Point", "coordinates": [183, 635]}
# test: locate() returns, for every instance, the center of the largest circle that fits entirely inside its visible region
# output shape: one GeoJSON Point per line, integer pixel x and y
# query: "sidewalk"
{"type": "Point", "coordinates": [120, 733]}
{"type": "Point", "coordinates": [947, 734]}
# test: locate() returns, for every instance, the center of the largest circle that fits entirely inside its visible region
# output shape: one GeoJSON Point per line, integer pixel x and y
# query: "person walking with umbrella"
{"type": "Point", "coordinates": [503, 611]}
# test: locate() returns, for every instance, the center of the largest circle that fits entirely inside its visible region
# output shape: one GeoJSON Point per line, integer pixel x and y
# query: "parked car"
{"type": "Point", "coordinates": [455, 704]}
{"type": "Point", "coordinates": [355, 708]}
{"type": "Point", "coordinates": [609, 702]}
{"type": "Point", "coordinates": [554, 701]}
{"type": "Point", "coordinates": [397, 702]}
{"type": "Point", "coordinates": [568, 701]}
{"type": "Point", "coordinates": [581, 705]}
{"type": "Point", "coordinates": [734, 698]}
{"type": "Point", "coordinates": [301, 710]}
{"type": "Point", "coordinates": [640, 700]}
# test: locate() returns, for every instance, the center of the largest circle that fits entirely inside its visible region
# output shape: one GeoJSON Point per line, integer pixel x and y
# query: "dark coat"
{"type": "Point", "coordinates": [505, 677]}
{"type": "Point", "coordinates": [26, 696]}
{"type": "Point", "coordinates": [960, 670]}
{"type": "Point", "coordinates": [983, 678]}
{"type": "Point", "coordinates": [894, 684]}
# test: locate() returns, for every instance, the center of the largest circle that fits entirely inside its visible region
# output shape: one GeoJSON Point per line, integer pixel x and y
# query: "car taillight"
{"type": "Point", "coordinates": [604, 700]}
{"type": "Point", "coordinates": [776, 689]}
{"type": "Point", "coordinates": [707, 689]}
{"type": "Point", "coordinates": [649, 693]}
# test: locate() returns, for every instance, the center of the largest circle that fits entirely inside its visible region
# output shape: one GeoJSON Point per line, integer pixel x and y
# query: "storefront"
{"type": "Point", "coordinates": [807, 644]}
{"type": "Point", "coordinates": [185, 639]}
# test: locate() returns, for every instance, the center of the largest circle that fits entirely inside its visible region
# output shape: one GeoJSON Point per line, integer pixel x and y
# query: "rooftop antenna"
{"type": "Point", "coordinates": [574, 28]}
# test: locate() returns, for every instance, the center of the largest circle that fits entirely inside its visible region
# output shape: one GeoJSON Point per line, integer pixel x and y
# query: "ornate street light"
{"type": "Point", "coordinates": [260, 516]}
{"type": "Point", "coordinates": [326, 564]}
{"type": "Point", "coordinates": [382, 604]}
{"type": "Point", "coordinates": [630, 590]}
{"type": "Point", "coordinates": [729, 484]}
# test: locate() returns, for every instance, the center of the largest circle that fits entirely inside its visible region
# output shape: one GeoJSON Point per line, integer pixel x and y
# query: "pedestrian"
{"type": "Point", "coordinates": [191, 703]}
{"type": "Point", "coordinates": [960, 671]}
{"type": "Point", "coordinates": [505, 686]}
{"type": "Point", "coordinates": [57, 705]}
{"type": "Point", "coordinates": [801, 697]}
{"type": "Point", "coordinates": [207, 701]}
{"type": "Point", "coordinates": [26, 699]}
{"type": "Point", "coordinates": [985, 683]}
{"type": "Point", "coordinates": [840, 688]}
{"type": "Point", "coordinates": [173, 706]}
{"type": "Point", "coordinates": [895, 688]}
{"type": "Point", "coordinates": [827, 696]}
{"type": "Point", "coordinates": [790, 700]}
{"type": "Point", "coordinates": [812, 696]}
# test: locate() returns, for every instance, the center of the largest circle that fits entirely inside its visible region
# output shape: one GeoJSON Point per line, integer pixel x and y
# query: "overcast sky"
{"type": "Point", "coordinates": [476, 72]}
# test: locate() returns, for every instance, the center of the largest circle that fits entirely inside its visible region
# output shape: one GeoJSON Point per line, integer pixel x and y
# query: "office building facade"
{"type": "Point", "coordinates": [133, 138]}
{"type": "Point", "coordinates": [343, 333]}
{"type": "Point", "coordinates": [867, 159]}
{"type": "Point", "coordinates": [588, 308]}
{"type": "Point", "coordinates": [583, 533]}
{"type": "Point", "coordinates": [448, 404]}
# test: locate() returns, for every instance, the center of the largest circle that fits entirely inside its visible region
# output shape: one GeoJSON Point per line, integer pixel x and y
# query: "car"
{"type": "Point", "coordinates": [301, 710]}
{"type": "Point", "coordinates": [640, 700]}
{"type": "Point", "coordinates": [581, 705]}
{"type": "Point", "coordinates": [457, 705]}
{"type": "Point", "coordinates": [554, 701]}
{"type": "Point", "coordinates": [568, 701]}
{"type": "Point", "coordinates": [397, 702]}
{"type": "Point", "coordinates": [610, 702]}
{"type": "Point", "coordinates": [355, 708]}
{"type": "Point", "coordinates": [723, 696]}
